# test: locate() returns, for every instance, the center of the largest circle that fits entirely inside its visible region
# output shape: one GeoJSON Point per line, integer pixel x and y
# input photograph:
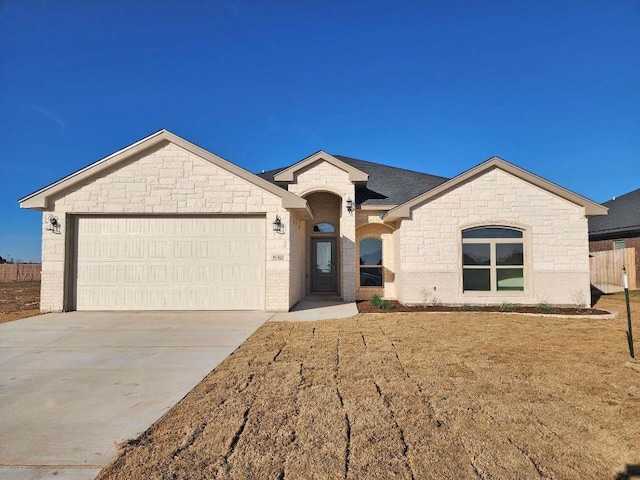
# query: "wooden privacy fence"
{"type": "Point", "coordinates": [20, 272]}
{"type": "Point", "coordinates": [606, 269]}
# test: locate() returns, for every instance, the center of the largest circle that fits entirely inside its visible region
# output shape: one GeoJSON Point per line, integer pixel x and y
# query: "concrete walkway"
{"type": "Point", "coordinates": [317, 308]}
{"type": "Point", "coordinates": [74, 385]}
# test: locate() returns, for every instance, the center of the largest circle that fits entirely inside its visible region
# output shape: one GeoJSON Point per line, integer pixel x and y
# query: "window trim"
{"type": "Point", "coordinates": [493, 267]}
{"type": "Point", "coordinates": [381, 266]}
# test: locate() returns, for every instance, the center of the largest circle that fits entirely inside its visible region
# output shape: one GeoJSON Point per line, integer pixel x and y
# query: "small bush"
{"type": "Point", "coordinates": [508, 307]}
{"type": "Point", "coordinates": [545, 307]}
{"type": "Point", "coordinates": [379, 302]}
{"type": "Point", "coordinates": [469, 307]}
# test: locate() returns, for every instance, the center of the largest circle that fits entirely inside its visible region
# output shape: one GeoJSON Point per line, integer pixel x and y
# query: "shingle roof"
{"type": "Point", "coordinates": [386, 185]}
{"type": "Point", "coordinates": [623, 217]}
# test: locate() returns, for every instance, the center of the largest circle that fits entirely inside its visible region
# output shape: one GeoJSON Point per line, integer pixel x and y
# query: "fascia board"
{"type": "Point", "coordinates": [377, 207]}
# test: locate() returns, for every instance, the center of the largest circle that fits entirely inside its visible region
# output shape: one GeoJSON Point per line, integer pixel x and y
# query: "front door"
{"type": "Point", "coordinates": [324, 265]}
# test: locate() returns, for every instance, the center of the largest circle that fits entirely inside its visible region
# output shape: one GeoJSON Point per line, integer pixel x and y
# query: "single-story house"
{"type": "Point", "coordinates": [164, 224]}
{"type": "Point", "coordinates": [620, 228]}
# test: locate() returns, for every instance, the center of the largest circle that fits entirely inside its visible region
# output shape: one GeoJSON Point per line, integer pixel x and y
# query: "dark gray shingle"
{"type": "Point", "coordinates": [386, 186]}
{"type": "Point", "coordinates": [623, 217]}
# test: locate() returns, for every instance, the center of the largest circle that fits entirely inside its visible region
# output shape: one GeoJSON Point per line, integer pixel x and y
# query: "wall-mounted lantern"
{"type": "Point", "coordinates": [349, 205]}
{"type": "Point", "coordinates": [278, 226]}
{"type": "Point", "coordinates": [53, 225]}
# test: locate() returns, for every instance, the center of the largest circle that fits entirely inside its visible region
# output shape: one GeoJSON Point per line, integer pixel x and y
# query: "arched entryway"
{"type": "Point", "coordinates": [324, 240]}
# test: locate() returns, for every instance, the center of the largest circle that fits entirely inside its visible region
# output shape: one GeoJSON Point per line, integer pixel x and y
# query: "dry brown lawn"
{"type": "Point", "coordinates": [19, 300]}
{"type": "Point", "coordinates": [423, 396]}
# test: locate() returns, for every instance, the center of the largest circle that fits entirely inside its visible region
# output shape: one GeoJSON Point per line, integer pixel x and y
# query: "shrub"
{"type": "Point", "coordinates": [507, 307]}
{"type": "Point", "coordinates": [469, 307]}
{"type": "Point", "coordinates": [545, 307]}
{"type": "Point", "coordinates": [379, 302]}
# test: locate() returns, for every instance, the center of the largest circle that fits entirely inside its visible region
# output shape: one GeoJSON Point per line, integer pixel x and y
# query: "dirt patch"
{"type": "Point", "coordinates": [19, 300]}
{"type": "Point", "coordinates": [365, 306]}
{"type": "Point", "coordinates": [408, 396]}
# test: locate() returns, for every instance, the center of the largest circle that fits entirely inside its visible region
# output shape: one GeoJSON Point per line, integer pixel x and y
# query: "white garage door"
{"type": "Point", "coordinates": [170, 263]}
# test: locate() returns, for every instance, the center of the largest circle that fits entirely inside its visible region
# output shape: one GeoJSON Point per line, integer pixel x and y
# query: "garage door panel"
{"type": "Point", "coordinates": [116, 274]}
{"type": "Point", "coordinates": [165, 298]}
{"type": "Point", "coordinates": [170, 263]}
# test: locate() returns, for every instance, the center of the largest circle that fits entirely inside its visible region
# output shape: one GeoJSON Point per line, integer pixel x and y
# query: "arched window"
{"type": "Point", "coordinates": [371, 262]}
{"type": "Point", "coordinates": [324, 227]}
{"type": "Point", "coordinates": [492, 259]}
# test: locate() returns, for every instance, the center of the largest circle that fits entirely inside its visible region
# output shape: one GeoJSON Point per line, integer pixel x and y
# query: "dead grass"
{"type": "Point", "coordinates": [19, 300]}
{"type": "Point", "coordinates": [408, 396]}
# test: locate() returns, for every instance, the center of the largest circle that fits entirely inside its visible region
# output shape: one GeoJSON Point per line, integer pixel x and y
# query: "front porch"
{"type": "Point", "coordinates": [318, 307]}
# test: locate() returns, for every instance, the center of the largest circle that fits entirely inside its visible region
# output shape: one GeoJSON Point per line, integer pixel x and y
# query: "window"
{"type": "Point", "coordinates": [492, 259]}
{"type": "Point", "coordinates": [323, 227]}
{"type": "Point", "coordinates": [371, 262]}
{"type": "Point", "coordinates": [618, 244]}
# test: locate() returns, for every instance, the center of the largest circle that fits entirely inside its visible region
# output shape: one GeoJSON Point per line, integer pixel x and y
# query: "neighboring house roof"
{"type": "Point", "coordinates": [404, 210]}
{"type": "Point", "coordinates": [39, 199]}
{"type": "Point", "coordinates": [623, 217]}
{"type": "Point", "coordinates": [386, 186]}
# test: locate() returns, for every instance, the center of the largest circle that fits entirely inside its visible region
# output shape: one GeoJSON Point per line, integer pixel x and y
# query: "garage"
{"type": "Point", "coordinates": [180, 262]}
{"type": "Point", "coordinates": [165, 225]}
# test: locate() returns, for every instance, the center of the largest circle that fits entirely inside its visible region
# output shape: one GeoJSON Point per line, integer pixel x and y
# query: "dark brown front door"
{"type": "Point", "coordinates": [324, 265]}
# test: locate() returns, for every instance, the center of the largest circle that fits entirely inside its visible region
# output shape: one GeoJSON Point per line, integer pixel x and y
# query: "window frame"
{"type": "Point", "coordinates": [380, 266]}
{"type": "Point", "coordinates": [493, 267]}
{"type": "Point", "coordinates": [317, 225]}
{"type": "Point", "coordinates": [619, 245]}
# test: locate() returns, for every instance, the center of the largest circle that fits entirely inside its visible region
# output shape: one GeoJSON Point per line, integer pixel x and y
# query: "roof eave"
{"type": "Point", "coordinates": [629, 230]}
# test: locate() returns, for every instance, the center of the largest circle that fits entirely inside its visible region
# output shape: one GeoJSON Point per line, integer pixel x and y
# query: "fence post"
{"type": "Point", "coordinates": [625, 280]}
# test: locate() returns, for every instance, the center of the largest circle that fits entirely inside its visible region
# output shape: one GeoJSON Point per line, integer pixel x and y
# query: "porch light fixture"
{"type": "Point", "coordinates": [52, 224]}
{"type": "Point", "coordinates": [278, 226]}
{"type": "Point", "coordinates": [349, 205]}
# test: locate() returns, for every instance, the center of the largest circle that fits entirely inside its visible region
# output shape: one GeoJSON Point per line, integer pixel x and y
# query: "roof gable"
{"type": "Point", "coordinates": [39, 199]}
{"type": "Point", "coordinates": [288, 173]}
{"type": "Point", "coordinates": [404, 210]}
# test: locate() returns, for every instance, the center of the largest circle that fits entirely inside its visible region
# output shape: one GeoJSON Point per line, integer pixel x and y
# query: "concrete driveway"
{"type": "Point", "coordinates": [74, 385]}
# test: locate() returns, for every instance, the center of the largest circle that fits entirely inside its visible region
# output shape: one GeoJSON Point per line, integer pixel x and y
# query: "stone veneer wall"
{"type": "Point", "coordinates": [429, 245]}
{"type": "Point", "coordinates": [297, 259]}
{"type": "Point", "coordinates": [165, 180]}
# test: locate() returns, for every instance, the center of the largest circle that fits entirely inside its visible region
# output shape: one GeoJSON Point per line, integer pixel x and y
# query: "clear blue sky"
{"type": "Point", "coordinates": [435, 86]}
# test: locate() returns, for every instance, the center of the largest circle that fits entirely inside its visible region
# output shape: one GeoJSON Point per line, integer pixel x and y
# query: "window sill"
{"type": "Point", "coordinates": [484, 293]}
